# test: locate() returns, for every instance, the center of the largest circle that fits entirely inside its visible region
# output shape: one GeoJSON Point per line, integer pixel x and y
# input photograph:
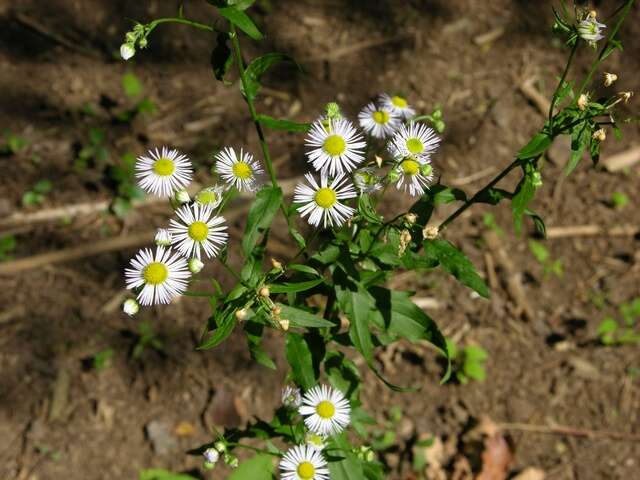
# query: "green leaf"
{"type": "Point", "coordinates": [298, 267]}
{"type": "Point", "coordinates": [289, 287]}
{"type": "Point", "coordinates": [348, 467]}
{"type": "Point", "coordinates": [259, 467]}
{"type": "Point", "coordinates": [285, 125]}
{"type": "Point", "coordinates": [131, 85]}
{"type": "Point", "coordinates": [302, 318]}
{"type": "Point", "coordinates": [536, 147]}
{"type": "Point", "coordinates": [260, 215]}
{"type": "Point", "coordinates": [522, 197]}
{"type": "Point", "coordinates": [493, 196]}
{"type": "Point", "coordinates": [367, 210]}
{"type": "Point", "coordinates": [241, 4]}
{"type": "Point", "coordinates": [256, 69]}
{"type": "Point", "coordinates": [225, 324]}
{"type": "Point", "coordinates": [160, 474]}
{"type": "Point", "coordinates": [456, 263]}
{"type": "Point", "coordinates": [342, 373]}
{"type": "Point", "coordinates": [254, 340]}
{"type": "Point", "coordinates": [358, 307]}
{"type": "Point", "coordinates": [221, 57]}
{"type": "Point", "coordinates": [539, 251]}
{"type": "Point", "coordinates": [580, 138]}
{"type": "Point", "coordinates": [241, 20]}
{"type": "Point", "coordinates": [43, 187]}
{"type": "Point", "coordinates": [301, 361]}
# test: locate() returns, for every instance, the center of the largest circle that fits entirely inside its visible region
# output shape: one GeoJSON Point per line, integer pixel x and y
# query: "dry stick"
{"type": "Point", "coordinates": [111, 244]}
{"type": "Point", "coordinates": [534, 96]}
{"type": "Point", "coordinates": [458, 182]}
{"type": "Point", "coordinates": [622, 160]}
{"type": "Point", "coordinates": [570, 431]}
{"type": "Point", "coordinates": [356, 47]}
{"type": "Point", "coordinates": [592, 231]}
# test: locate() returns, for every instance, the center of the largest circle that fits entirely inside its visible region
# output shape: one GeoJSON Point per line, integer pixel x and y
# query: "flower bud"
{"type": "Point", "coordinates": [231, 460]}
{"type": "Point", "coordinates": [333, 111]}
{"type": "Point", "coordinates": [276, 264]}
{"type": "Point", "coordinates": [163, 237]}
{"type": "Point", "coordinates": [131, 307]}
{"type": "Point", "coordinates": [430, 232]}
{"type": "Point", "coordinates": [291, 397]}
{"type": "Point", "coordinates": [536, 180]}
{"type": "Point", "coordinates": [426, 169]}
{"type": "Point", "coordinates": [264, 292]}
{"type": "Point", "coordinates": [626, 96]}
{"type": "Point", "coordinates": [284, 324]}
{"type": "Point", "coordinates": [583, 100]}
{"type": "Point", "coordinates": [276, 311]}
{"type": "Point", "coordinates": [220, 446]}
{"type": "Point", "coordinates": [378, 159]}
{"type": "Point", "coordinates": [195, 265]}
{"type": "Point", "coordinates": [599, 135]}
{"type": "Point", "coordinates": [405, 239]}
{"type": "Point", "coordinates": [182, 196]}
{"type": "Point", "coordinates": [211, 455]}
{"type": "Point", "coordinates": [127, 51]}
{"type": "Point", "coordinates": [314, 440]}
{"type": "Point", "coordinates": [393, 175]}
{"type": "Point", "coordinates": [609, 79]}
{"type": "Point", "coordinates": [410, 218]}
{"type": "Point", "coordinates": [143, 42]}
{"type": "Point", "coordinates": [131, 38]}
{"type": "Point", "coordinates": [241, 314]}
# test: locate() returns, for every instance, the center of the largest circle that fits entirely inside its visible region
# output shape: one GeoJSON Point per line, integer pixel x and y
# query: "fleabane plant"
{"type": "Point", "coordinates": [329, 299]}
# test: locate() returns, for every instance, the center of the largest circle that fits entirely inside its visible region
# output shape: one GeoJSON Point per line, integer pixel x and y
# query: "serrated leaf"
{"type": "Point", "coordinates": [221, 57]}
{"type": "Point", "coordinates": [283, 125]}
{"type": "Point", "coordinates": [259, 467]}
{"type": "Point", "coordinates": [456, 263]}
{"type": "Point", "coordinates": [256, 69]}
{"type": "Point", "coordinates": [301, 361]}
{"type": "Point", "coordinates": [241, 20]}
{"type": "Point", "coordinates": [260, 215]}
{"type": "Point", "coordinates": [302, 318]}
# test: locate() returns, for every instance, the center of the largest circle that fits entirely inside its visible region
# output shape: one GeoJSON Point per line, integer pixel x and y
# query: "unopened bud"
{"type": "Point", "coordinates": [143, 42]}
{"type": "Point", "coordinates": [220, 446]}
{"type": "Point", "coordinates": [131, 307]}
{"type": "Point", "coordinates": [592, 14]}
{"type": "Point", "coordinates": [410, 218]}
{"type": "Point", "coordinates": [333, 111]}
{"type": "Point", "coordinates": [182, 196]}
{"type": "Point", "coordinates": [536, 179]}
{"type": "Point", "coordinates": [276, 264]}
{"type": "Point", "coordinates": [394, 175]}
{"type": "Point", "coordinates": [426, 169]}
{"type": "Point", "coordinates": [284, 324]}
{"type": "Point", "coordinates": [276, 310]}
{"type": "Point", "coordinates": [241, 314]}
{"type": "Point", "coordinates": [430, 232]}
{"type": "Point", "coordinates": [211, 455]}
{"type": "Point", "coordinates": [195, 265]}
{"type": "Point", "coordinates": [609, 79]}
{"type": "Point", "coordinates": [231, 460]}
{"type": "Point", "coordinates": [405, 239]}
{"type": "Point", "coordinates": [314, 440]}
{"type": "Point", "coordinates": [163, 237]}
{"type": "Point", "coordinates": [264, 292]}
{"type": "Point", "coordinates": [583, 100]}
{"type": "Point", "coordinates": [131, 38]}
{"type": "Point", "coordinates": [599, 135]}
{"type": "Point", "coordinates": [626, 96]}
{"type": "Point", "coordinates": [127, 51]}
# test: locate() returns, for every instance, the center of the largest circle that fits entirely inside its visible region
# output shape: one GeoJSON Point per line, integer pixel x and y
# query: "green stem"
{"type": "Point", "coordinates": [184, 21]}
{"type": "Point", "coordinates": [255, 449]}
{"type": "Point", "coordinates": [230, 270]}
{"type": "Point", "coordinates": [554, 99]}
{"type": "Point", "coordinates": [474, 199]}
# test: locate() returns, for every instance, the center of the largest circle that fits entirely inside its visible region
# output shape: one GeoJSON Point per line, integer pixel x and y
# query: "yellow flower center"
{"type": "Point", "coordinates": [380, 117]}
{"type": "Point", "coordinates": [414, 145]}
{"type": "Point", "coordinates": [206, 197]}
{"type": "Point", "coordinates": [399, 101]}
{"type": "Point", "coordinates": [325, 197]}
{"type": "Point", "coordinates": [155, 273]}
{"type": "Point", "coordinates": [242, 170]}
{"type": "Point", "coordinates": [410, 167]}
{"type": "Point", "coordinates": [325, 409]}
{"type": "Point", "coordinates": [198, 231]}
{"type": "Point", "coordinates": [163, 167]}
{"type": "Point", "coordinates": [306, 470]}
{"type": "Point", "coordinates": [334, 145]}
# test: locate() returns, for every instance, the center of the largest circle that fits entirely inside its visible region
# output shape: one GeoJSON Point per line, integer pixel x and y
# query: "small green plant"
{"type": "Point", "coordinates": [543, 256]}
{"type": "Point", "coordinates": [95, 153]}
{"type": "Point", "coordinates": [12, 143]}
{"type": "Point", "coordinates": [123, 175]}
{"type": "Point", "coordinates": [37, 194]}
{"type": "Point", "coordinates": [102, 360]}
{"type": "Point", "coordinates": [619, 200]}
{"type": "Point", "coordinates": [133, 89]}
{"type": "Point", "coordinates": [612, 331]}
{"type": "Point", "coordinates": [467, 363]}
{"type": "Point", "coordinates": [8, 244]}
{"type": "Point", "coordinates": [489, 221]}
{"type": "Point", "coordinates": [147, 338]}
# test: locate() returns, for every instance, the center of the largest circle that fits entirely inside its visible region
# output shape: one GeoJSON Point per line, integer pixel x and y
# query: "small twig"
{"type": "Point", "coordinates": [592, 231]}
{"type": "Point", "coordinates": [337, 53]}
{"type": "Point", "coordinates": [458, 182]}
{"type": "Point", "coordinates": [622, 160]}
{"type": "Point", "coordinates": [569, 431]}
{"type": "Point", "coordinates": [528, 89]}
{"type": "Point", "coordinates": [488, 37]}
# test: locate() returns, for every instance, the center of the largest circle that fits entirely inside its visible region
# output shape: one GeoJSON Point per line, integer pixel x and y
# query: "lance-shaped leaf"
{"type": "Point", "coordinates": [256, 69]}
{"type": "Point", "coordinates": [241, 20]}
{"type": "Point", "coordinates": [221, 57]}
{"type": "Point", "coordinates": [301, 318]}
{"type": "Point", "coordinates": [300, 358]}
{"type": "Point", "coordinates": [283, 125]}
{"type": "Point", "coordinates": [260, 215]}
{"type": "Point", "coordinates": [259, 467]}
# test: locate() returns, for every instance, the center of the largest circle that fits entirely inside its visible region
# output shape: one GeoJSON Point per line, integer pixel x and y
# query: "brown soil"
{"type": "Point", "coordinates": [57, 57]}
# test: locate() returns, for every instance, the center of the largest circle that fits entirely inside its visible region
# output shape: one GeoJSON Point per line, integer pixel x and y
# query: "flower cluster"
{"type": "Point", "coordinates": [338, 152]}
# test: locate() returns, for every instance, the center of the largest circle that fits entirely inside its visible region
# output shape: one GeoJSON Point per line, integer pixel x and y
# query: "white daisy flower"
{"type": "Point", "coordinates": [211, 196]}
{"type": "Point", "coordinates": [322, 202]}
{"type": "Point", "coordinates": [378, 121]}
{"type": "Point", "coordinates": [240, 171]}
{"type": "Point", "coordinates": [590, 30]}
{"type": "Point", "coordinates": [415, 175]}
{"type": "Point", "coordinates": [326, 410]}
{"type": "Point", "coordinates": [315, 441]}
{"type": "Point", "coordinates": [198, 227]}
{"type": "Point", "coordinates": [416, 140]}
{"type": "Point", "coordinates": [291, 397]}
{"type": "Point", "coordinates": [164, 172]}
{"type": "Point", "coordinates": [162, 276]}
{"type": "Point", "coordinates": [303, 462]}
{"type": "Point", "coordinates": [335, 149]}
{"type": "Point", "coordinates": [163, 237]}
{"type": "Point", "coordinates": [366, 180]}
{"type": "Point", "coordinates": [398, 105]}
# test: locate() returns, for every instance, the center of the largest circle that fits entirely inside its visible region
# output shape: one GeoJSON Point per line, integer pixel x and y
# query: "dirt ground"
{"type": "Point", "coordinates": [61, 418]}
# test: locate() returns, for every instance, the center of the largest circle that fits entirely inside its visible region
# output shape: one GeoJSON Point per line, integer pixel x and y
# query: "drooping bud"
{"type": "Point", "coordinates": [127, 50]}
{"type": "Point", "coordinates": [211, 456]}
{"type": "Point", "coordinates": [264, 292]}
{"type": "Point", "coordinates": [599, 135]}
{"type": "Point", "coordinates": [430, 232]}
{"type": "Point", "coordinates": [163, 237]}
{"type": "Point", "coordinates": [583, 100]}
{"type": "Point", "coordinates": [182, 196]}
{"type": "Point", "coordinates": [131, 307]}
{"type": "Point", "coordinates": [220, 446]}
{"type": "Point", "coordinates": [626, 96]}
{"type": "Point", "coordinates": [609, 79]}
{"type": "Point", "coordinates": [276, 264]}
{"type": "Point", "coordinates": [195, 265]}
{"type": "Point", "coordinates": [333, 111]}
{"type": "Point", "coordinates": [276, 310]}
{"type": "Point", "coordinates": [241, 314]}
{"type": "Point", "coordinates": [426, 169]}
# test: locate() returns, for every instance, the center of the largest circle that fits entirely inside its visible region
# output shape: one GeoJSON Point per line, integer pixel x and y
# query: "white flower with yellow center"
{"type": "Point", "coordinates": [415, 175]}
{"type": "Point", "coordinates": [379, 121]}
{"type": "Point", "coordinates": [303, 462]}
{"type": "Point", "coordinates": [366, 180]}
{"type": "Point", "coordinates": [291, 397]}
{"type": "Point", "coordinates": [416, 140]}
{"type": "Point", "coordinates": [198, 228]}
{"type": "Point", "coordinates": [240, 171]}
{"type": "Point", "coordinates": [325, 409]}
{"type": "Point", "coordinates": [211, 196]}
{"type": "Point", "coordinates": [322, 202]}
{"type": "Point", "coordinates": [335, 146]}
{"type": "Point", "coordinates": [163, 275]}
{"type": "Point", "coordinates": [398, 105]}
{"type": "Point", "coordinates": [590, 30]}
{"type": "Point", "coordinates": [164, 172]}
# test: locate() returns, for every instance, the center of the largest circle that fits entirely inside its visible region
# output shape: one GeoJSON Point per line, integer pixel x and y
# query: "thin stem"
{"type": "Point", "coordinates": [554, 99]}
{"type": "Point", "coordinates": [230, 270]}
{"type": "Point", "coordinates": [183, 21]}
{"type": "Point", "coordinates": [474, 199]}
{"type": "Point", "coordinates": [258, 450]}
